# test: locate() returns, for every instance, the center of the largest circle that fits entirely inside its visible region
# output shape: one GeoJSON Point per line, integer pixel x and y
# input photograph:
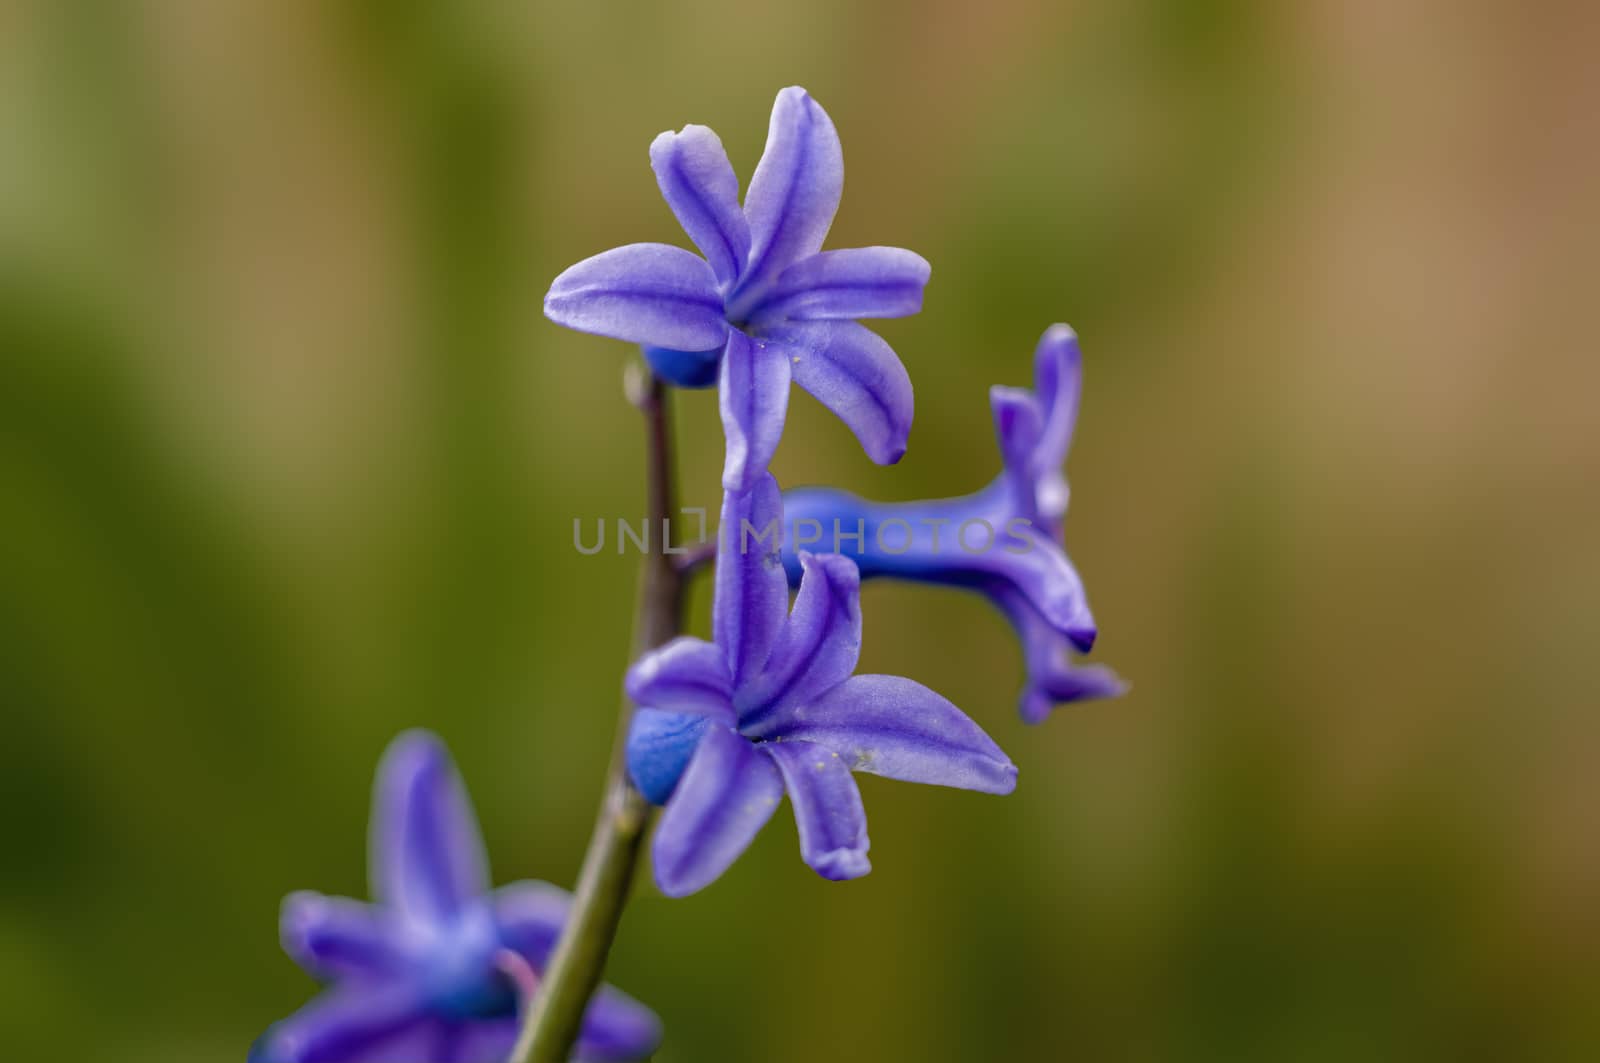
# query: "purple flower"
{"type": "Point", "coordinates": [765, 305]}
{"type": "Point", "coordinates": [771, 706]}
{"type": "Point", "coordinates": [1004, 541]}
{"type": "Point", "coordinates": [434, 969]}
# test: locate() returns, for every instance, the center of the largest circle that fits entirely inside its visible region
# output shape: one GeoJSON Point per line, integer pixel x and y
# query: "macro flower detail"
{"type": "Point", "coordinates": [772, 706]}
{"type": "Point", "coordinates": [765, 305]}
{"type": "Point", "coordinates": [1004, 541]}
{"type": "Point", "coordinates": [438, 967]}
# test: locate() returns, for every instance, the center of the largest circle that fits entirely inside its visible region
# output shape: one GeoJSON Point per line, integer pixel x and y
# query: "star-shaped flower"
{"type": "Point", "coordinates": [1004, 541]}
{"type": "Point", "coordinates": [437, 968]}
{"type": "Point", "coordinates": [772, 706]}
{"type": "Point", "coordinates": [765, 305]}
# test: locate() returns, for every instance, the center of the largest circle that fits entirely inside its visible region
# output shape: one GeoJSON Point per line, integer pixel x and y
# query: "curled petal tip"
{"type": "Point", "coordinates": [842, 571]}
{"type": "Point", "coordinates": [1059, 333]}
{"type": "Point", "coordinates": [841, 865]}
{"type": "Point", "coordinates": [1005, 779]}
{"type": "Point", "coordinates": [796, 92]}
{"type": "Point", "coordinates": [1083, 636]}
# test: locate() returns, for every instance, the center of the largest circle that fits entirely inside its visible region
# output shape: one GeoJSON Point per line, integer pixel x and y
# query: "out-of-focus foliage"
{"type": "Point", "coordinates": [289, 462]}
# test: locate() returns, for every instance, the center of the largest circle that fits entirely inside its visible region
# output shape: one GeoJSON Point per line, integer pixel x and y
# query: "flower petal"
{"type": "Point", "coordinates": [899, 729]}
{"type": "Point", "coordinates": [753, 396]}
{"type": "Point", "coordinates": [1040, 570]}
{"type": "Point", "coordinates": [847, 284]}
{"type": "Point", "coordinates": [616, 1028]}
{"type": "Point", "coordinates": [685, 675]}
{"type": "Point", "coordinates": [698, 183]}
{"type": "Point", "coordinates": [819, 645]}
{"type": "Point", "coordinates": [851, 370]}
{"type": "Point", "coordinates": [658, 750]}
{"type": "Point", "coordinates": [1063, 684]}
{"type": "Point", "coordinates": [722, 802]}
{"type": "Point", "coordinates": [333, 936]}
{"type": "Point", "coordinates": [1053, 678]}
{"type": "Point", "coordinates": [827, 809]}
{"type": "Point", "coordinates": [655, 294]}
{"type": "Point", "coordinates": [529, 917]}
{"type": "Point", "coordinates": [483, 1041]}
{"type": "Point", "coordinates": [1058, 381]}
{"type": "Point", "coordinates": [1018, 426]}
{"type": "Point", "coordinates": [751, 598]}
{"type": "Point", "coordinates": [426, 853]}
{"type": "Point", "coordinates": [793, 194]}
{"type": "Point", "coordinates": [372, 1023]}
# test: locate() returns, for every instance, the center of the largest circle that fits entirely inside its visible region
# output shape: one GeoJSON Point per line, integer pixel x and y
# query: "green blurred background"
{"type": "Point", "coordinates": [289, 460]}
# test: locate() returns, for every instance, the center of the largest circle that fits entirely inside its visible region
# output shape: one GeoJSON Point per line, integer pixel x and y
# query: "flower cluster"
{"type": "Point", "coordinates": [772, 706]}
{"type": "Point", "coordinates": [440, 967]}
{"type": "Point", "coordinates": [766, 305]}
{"type": "Point", "coordinates": [958, 541]}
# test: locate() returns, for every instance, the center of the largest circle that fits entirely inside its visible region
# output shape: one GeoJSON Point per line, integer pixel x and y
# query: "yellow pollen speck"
{"type": "Point", "coordinates": [821, 765]}
{"type": "Point", "coordinates": [796, 359]}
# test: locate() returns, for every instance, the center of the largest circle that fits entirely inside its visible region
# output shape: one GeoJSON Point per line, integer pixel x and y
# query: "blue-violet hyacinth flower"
{"type": "Point", "coordinates": [772, 706]}
{"type": "Point", "coordinates": [439, 966]}
{"type": "Point", "coordinates": [765, 305]}
{"type": "Point", "coordinates": [1005, 540]}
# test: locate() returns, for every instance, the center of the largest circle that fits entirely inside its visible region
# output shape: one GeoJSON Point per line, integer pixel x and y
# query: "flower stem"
{"type": "Point", "coordinates": [553, 1022]}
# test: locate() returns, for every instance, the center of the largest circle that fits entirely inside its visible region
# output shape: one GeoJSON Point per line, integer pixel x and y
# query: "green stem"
{"type": "Point", "coordinates": [556, 1015]}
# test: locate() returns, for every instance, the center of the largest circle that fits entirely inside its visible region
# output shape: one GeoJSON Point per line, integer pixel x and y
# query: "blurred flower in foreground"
{"type": "Point", "coordinates": [772, 706]}
{"type": "Point", "coordinates": [1004, 541]}
{"type": "Point", "coordinates": [439, 967]}
{"type": "Point", "coordinates": [766, 304]}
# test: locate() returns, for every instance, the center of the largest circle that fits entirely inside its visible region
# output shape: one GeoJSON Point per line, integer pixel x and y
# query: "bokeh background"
{"type": "Point", "coordinates": [289, 460]}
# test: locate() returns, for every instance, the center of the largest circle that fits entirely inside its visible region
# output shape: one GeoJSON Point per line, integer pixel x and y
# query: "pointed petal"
{"type": "Point", "coordinates": [819, 645]}
{"type": "Point", "coordinates": [851, 370]}
{"type": "Point", "coordinates": [333, 936]}
{"type": "Point", "coordinates": [616, 1029]}
{"type": "Point", "coordinates": [426, 853]}
{"type": "Point", "coordinates": [1064, 683]}
{"type": "Point", "coordinates": [753, 397]}
{"type": "Point", "coordinates": [685, 675]}
{"type": "Point", "coordinates": [847, 284]}
{"type": "Point", "coordinates": [643, 293]}
{"type": "Point", "coordinates": [381, 1023]}
{"type": "Point", "coordinates": [827, 809]}
{"type": "Point", "coordinates": [794, 192]}
{"type": "Point", "coordinates": [1018, 426]}
{"type": "Point", "coordinates": [1058, 381]}
{"type": "Point", "coordinates": [698, 183]}
{"type": "Point", "coordinates": [722, 802]}
{"type": "Point", "coordinates": [899, 729]}
{"type": "Point", "coordinates": [751, 597]}
{"type": "Point", "coordinates": [529, 917]}
{"type": "Point", "coordinates": [658, 750]}
{"type": "Point", "coordinates": [1053, 678]}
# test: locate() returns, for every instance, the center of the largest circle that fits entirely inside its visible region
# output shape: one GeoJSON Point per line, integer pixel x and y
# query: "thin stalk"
{"type": "Point", "coordinates": [556, 1015]}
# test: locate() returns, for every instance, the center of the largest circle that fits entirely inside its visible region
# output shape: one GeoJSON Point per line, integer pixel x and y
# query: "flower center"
{"type": "Point", "coordinates": [464, 975]}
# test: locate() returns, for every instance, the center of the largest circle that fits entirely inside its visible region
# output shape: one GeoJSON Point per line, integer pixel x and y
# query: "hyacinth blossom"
{"type": "Point", "coordinates": [1004, 540]}
{"type": "Point", "coordinates": [765, 305]}
{"type": "Point", "coordinates": [438, 968]}
{"type": "Point", "coordinates": [772, 707]}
